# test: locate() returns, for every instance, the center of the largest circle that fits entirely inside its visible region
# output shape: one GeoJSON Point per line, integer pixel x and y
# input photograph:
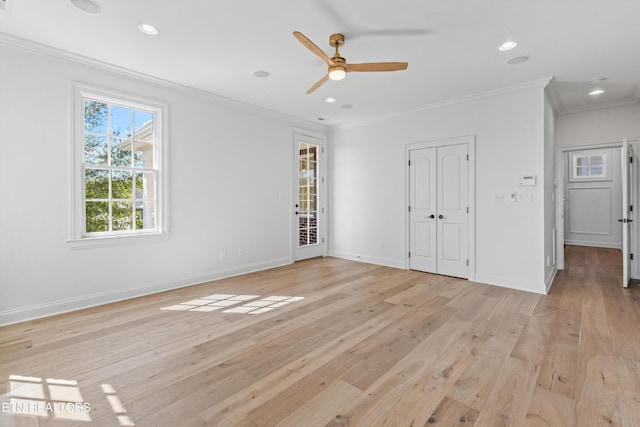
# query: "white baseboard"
{"type": "Point", "coordinates": [368, 259]}
{"type": "Point", "coordinates": [32, 312]}
{"type": "Point", "coordinates": [593, 244]}
{"type": "Point", "coordinates": [517, 284]}
{"type": "Point", "coordinates": [550, 277]}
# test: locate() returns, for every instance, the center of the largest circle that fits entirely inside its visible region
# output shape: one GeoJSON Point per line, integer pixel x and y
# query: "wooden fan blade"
{"type": "Point", "coordinates": [312, 47]}
{"type": "Point", "coordinates": [377, 66]}
{"type": "Point", "coordinates": [318, 84]}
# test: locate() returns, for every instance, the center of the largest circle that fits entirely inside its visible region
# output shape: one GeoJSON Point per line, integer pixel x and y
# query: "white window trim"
{"type": "Point", "coordinates": [76, 239]}
{"type": "Point", "coordinates": [606, 174]}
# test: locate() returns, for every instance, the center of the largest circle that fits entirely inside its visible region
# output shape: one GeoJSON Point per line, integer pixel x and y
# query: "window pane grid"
{"type": "Point", "coordinates": [307, 195]}
{"type": "Point", "coordinates": [592, 165]}
{"type": "Point", "coordinates": [120, 174]}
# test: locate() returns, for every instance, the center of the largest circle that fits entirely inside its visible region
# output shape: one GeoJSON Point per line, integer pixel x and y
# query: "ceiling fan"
{"type": "Point", "coordinates": [338, 66]}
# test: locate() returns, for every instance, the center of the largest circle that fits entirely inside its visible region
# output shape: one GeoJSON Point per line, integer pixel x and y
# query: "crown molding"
{"type": "Point", "coordinates": [598, 107]}
{"type": "Point", "coordinates": [540, 83]}
{"type": "Point", "coordinates": [41, 49]}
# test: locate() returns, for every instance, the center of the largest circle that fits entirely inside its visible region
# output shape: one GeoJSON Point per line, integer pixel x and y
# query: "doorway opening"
{"type": "Point", "coordinates": [596, 192]}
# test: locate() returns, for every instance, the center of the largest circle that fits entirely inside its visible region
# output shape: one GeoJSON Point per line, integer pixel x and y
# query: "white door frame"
{"type": "Point", "coordinates": [560, 171]}
{"type": "Point", "coordinates": [322, 189]}
{"type": "Point", "coordinates": [471, 228]}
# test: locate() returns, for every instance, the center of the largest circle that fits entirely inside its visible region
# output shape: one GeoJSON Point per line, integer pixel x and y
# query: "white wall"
{"type": "Point", "coordinates": [227, 169]}
{"type": "Point", "coordinates": [368, 184]}
{"type": "Point", "coordinates": [598, 126]}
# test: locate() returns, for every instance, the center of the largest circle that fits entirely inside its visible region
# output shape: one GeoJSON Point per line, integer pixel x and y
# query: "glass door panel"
{"type": "Point", "coordinates": [308, 236]}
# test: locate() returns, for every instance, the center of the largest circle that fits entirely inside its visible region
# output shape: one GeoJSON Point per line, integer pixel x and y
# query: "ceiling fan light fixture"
{"type": "Point", "coordinates": [337, 73]}
{"type": "Point", "coordinates": [596, 92]}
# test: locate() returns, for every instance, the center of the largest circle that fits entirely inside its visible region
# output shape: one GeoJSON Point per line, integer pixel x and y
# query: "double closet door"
{"type": "Point", "coordinates": [439, 210]}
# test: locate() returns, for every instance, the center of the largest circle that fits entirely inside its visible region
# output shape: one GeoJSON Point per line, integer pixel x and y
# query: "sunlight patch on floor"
{"type": "Point", "coordinates": [47, 398]}
{"type": "Point", "coordinates": [116, 405]}
{"type": "Point", "coordinates": [220, 301]}
{"type": "Point", "coordinates": [264, 305]}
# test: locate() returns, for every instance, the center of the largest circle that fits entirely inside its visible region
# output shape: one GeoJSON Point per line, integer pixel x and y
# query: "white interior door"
{"type": "Point", "coordinates": [452, 202]}
{"type": "Point", "coordinates": [422, 213]}
{"type": "Point", "coordinates": [438, 210]}
{"type": "Point", "coordinates": [308, 198]}
{"type": "Point", "coordinates": [626, 214]}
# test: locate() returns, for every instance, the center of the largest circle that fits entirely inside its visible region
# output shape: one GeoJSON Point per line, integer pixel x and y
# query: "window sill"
{"type": "Point", "coordinates": [123, 240]}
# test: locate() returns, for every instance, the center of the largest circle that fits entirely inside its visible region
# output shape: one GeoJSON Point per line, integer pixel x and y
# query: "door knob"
{"type": "Point", "coordinates": [430, 216]}
{"type": "Point", "coordinates": [440, 216]}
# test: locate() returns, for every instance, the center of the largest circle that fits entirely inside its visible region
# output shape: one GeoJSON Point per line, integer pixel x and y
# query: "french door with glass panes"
{"type": "Point", "coordinates": [308, 199]}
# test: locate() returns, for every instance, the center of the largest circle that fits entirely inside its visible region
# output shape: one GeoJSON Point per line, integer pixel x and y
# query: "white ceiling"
{"type": "Point", "coordinates": [451, 47]}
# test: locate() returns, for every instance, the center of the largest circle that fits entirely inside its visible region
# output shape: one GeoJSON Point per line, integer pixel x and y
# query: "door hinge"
{"type": "Point", "coordinates": [631, 159]}
{"type": "Point", "coordinates": [409, 208]}
{"type": "Point", "coordinates": [467, 209]}
{"type": "Point", "coordinates": [631, 256]}
{"type": "Point", "coordinates": [409, 162]}
{"type": "Point", "coordinates": [323, 179]}
{"type": "Point", "coordinates": [322, 210]}
{"type": "Point", "coordinates": [323, 240]}
{"type": "Point", "coordinates": [467, 157]}
{"type": "Point", "coordinates": [322, 150]}
{"type": "Point", "coordinates": [630, 208]}
{"type": "Point", "coordinates": [467, 263]}
{"type": "Point", "coordinates": [409, 254]}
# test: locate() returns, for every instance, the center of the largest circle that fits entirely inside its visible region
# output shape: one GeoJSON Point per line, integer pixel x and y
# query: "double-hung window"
{"type": "Point", "coordinates": [118, 169]}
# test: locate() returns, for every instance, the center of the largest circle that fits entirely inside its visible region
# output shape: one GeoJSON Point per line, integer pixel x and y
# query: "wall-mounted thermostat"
{"type": "Point", "coordinates": [527, 181]}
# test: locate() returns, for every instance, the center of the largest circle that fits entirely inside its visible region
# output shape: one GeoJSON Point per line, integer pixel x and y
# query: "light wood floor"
{"type": "Point", "coordinates": [366, 346]}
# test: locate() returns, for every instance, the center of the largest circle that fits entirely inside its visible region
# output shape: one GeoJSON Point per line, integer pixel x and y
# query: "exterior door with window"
{"type": "Point", "coordinates": [308, 198]}
{"type": "Point", "coordinates": [438, 218]}
{"type": "Point", "coordinates": [593, 197]}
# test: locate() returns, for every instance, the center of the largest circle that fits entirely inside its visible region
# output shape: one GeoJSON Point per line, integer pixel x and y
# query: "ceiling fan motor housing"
{"type": "Point", "coordinates": [336, 40]}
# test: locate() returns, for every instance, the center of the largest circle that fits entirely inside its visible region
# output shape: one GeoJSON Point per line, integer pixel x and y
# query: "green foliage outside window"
{"type": "Point", "coordinates": [118, 189]}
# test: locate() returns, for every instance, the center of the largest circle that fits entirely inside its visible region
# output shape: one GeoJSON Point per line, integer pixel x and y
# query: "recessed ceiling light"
{"type": "Point", "coordinates": [346, 106]}
{"type": "Point", "coordinates": [89, 6]}
{"type": "Point", "coordinates": [597, 86]}
{"type": "Point", "coordinates": [330, 100]}
{"type": "Point", "coordinates": [148, 29]}
{"type": "Point", "coordinates": [518, 60]}
{"type": "Point", "coordinates": [262, 74]}
{"type": "Point", "coordinates": [508, 45]}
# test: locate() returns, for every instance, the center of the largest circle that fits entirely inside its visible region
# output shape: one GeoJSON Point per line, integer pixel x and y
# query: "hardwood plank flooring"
{"type": "Point", "coordinates": [331, 342]}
